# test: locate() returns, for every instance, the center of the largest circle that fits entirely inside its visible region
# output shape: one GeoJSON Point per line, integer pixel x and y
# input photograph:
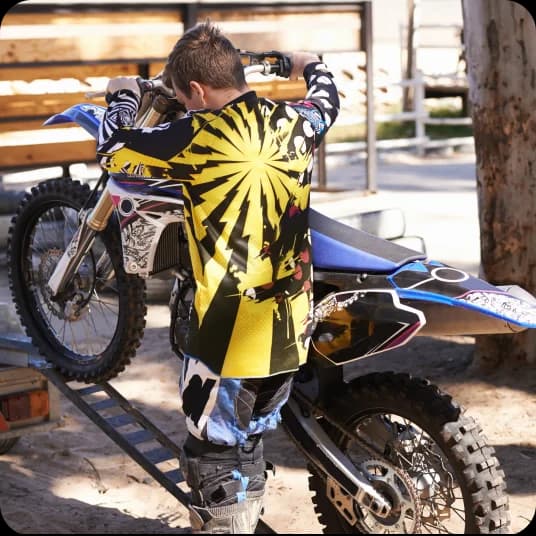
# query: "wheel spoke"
{"type": "Point", "coordinates": [51, 234]}
{"type": "Point", "coordinates": [77, 328]}
{"type": "Point", "coordinates": [423, 460]}
{"type": "Point", "coordinates": [410, 448]}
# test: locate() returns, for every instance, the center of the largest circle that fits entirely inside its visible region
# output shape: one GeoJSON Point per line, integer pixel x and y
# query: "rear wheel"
{"type": "Point", "coordinates": [92, 329]}
{"type": "Point", "coordinates": [432, 462]}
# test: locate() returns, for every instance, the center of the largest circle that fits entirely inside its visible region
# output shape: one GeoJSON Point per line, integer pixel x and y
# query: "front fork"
{"type": "Point", "coordinates": [94, 222]}
{"type": "Point", "coordinates": [81, 243]}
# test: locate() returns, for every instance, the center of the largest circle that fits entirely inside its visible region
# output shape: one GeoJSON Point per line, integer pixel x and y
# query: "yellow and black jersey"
{"type": "Point", "coordinates": [245, 171]}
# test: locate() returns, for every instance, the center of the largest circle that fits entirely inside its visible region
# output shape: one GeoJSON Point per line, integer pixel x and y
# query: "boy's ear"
{"type": "Point", "coordinates": [197, 89]}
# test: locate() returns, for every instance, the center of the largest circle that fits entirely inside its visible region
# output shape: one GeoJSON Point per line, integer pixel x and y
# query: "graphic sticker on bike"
{"type": "Point", "coordinates": [354, 324]}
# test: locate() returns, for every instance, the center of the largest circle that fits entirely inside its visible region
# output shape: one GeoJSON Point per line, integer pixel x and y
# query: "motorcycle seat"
{"type": "Point", "coordinates": [339, 247]}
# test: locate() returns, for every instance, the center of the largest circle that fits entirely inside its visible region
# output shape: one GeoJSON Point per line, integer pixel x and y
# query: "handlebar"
{"type": "Point", "coordinates": [265, 63]}
{"type": "Point", "coordinates": [274, 62]}
{"type": "Point", "coordinates": [154, 85]}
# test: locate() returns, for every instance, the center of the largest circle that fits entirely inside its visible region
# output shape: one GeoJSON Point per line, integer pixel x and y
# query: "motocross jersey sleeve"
{"type": "Point", "coordinates": [245, 171]}
{"type": "Point", "coordinates": [321, 104]}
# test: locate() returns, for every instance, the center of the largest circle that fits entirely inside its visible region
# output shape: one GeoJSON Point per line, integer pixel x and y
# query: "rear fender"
{"type": "Point", "coordinates": [456, 303]}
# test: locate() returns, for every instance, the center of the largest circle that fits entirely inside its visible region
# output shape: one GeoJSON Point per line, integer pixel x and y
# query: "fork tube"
{"type": "Point", "coordinates": [72, 257]}
{"type": "Point", "coordinates": [81, 243]}
{"type": "Point", "coordinates": [96, 221]}
{"type": "Point", "coordinates": [150, 118]}
{"type": "Point", "coordinates": [99, 216]}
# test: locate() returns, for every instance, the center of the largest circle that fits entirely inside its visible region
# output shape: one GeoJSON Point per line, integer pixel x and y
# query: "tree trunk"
{"type": "Point", "coordinates": [408, 93]}
{"type": "Point", "coordinates": [500, 39]}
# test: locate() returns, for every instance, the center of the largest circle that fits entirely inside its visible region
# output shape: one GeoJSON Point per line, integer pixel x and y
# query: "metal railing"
{"type": "Point", "coordinates": [419, 115]}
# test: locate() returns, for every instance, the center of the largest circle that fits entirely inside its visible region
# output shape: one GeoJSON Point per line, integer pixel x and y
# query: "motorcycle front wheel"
{"type": "Point", "coordinates": [430, 461]}
{"type": "Point", "coordinates": [90, 331]}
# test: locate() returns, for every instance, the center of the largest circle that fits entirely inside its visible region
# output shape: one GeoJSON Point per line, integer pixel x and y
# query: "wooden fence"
{"type": "Point", "coordinates": [52, 54]}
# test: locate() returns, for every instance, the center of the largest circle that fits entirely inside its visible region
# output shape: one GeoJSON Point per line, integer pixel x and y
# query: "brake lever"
{"type": "Point", "coordinates": [154, 85]}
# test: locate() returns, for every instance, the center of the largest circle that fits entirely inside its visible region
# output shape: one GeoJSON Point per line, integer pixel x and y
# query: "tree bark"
{"type": "Point", "coordinates": [500, 39]}
{"type": "Point", "coordinates": [408, 93]}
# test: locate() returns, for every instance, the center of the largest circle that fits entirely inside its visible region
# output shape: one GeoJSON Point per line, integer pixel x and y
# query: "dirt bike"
{"type": "Point", "coordinates": [387, 452]}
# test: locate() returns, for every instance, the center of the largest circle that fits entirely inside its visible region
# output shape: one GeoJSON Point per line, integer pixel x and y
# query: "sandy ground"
{"type": "Point", "coordinates": [74, 479]}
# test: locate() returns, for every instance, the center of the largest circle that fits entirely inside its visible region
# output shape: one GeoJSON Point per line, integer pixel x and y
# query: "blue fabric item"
{"type": "Point", "coordinates": [313, 116]}
{"type": "Point", "coordinates": [244, 480]}
{"type": "Point", "coordinates": [215, 419]}
{"type": "Point", "coordinates": [222, 424]}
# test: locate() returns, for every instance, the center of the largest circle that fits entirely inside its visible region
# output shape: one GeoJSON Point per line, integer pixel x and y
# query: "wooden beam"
{"type": "Point", "coordinates": [43, 105]}
{"type": "Point", "coordinates": [23, 147]}
{"type": "Point", "coordinates": [156, 68]}
{"type": "Point", "coordinates": [23, 125]}
{"type": "Point", "coordinates": [280, 89]}
{"type": "Point", "coordinates": [87, 48]}
{"type": "Point", "coordinates": [104, 35]}
{"type": "Point", "coordinates": [319, 30]}
{"type": "Point", "coordinates": [12, 106]}
{"type": "Point", "coordinates": [57, 72]}
{"type": "Point", "coordinates": [46, 154]}
{"type": "Point", "coordinates": [64, 18]}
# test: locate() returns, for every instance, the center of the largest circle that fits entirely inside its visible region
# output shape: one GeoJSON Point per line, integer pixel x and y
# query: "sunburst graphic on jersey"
{"type": "Point", "coordinates": [240, 163]}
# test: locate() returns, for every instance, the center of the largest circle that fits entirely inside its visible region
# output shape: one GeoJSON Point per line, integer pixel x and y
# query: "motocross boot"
{"type": "Point", "coordinates": [237, 518]}
{"type": "Point", "coordinates": [227, 485]}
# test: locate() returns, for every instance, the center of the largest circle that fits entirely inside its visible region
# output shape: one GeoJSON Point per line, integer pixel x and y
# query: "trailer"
{"type": "Point", "coordinates": [29, 402]}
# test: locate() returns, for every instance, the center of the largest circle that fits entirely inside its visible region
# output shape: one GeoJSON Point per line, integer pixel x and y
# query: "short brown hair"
{"type": "Point", "coordinates": [205, 55]}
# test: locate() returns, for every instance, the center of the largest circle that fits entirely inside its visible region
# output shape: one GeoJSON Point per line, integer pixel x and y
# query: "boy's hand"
{"type": "Point", "coordinates": [299, 61]}
{"type": "Point", "coordinates": [123, 82]}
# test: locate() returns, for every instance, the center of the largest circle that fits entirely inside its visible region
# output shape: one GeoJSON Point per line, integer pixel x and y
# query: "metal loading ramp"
{"type": "Point", "coordinates": [136, 435]}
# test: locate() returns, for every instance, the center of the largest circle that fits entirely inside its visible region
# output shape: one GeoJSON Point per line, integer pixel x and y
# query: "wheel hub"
{"type": "Point", "coordinates": [72, 303]}
{"type": "Point", "coordinates": [394, 484]}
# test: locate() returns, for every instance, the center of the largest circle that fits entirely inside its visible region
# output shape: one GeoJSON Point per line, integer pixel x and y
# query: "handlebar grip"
{"type": "Point", "coordinates": [144, 85]}
{"type": "Point", "coordinates": [286, 66]}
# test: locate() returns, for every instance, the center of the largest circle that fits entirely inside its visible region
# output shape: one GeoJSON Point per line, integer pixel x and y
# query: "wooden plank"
{"type": "Point", "coordinates": [45, 105]}
{"type": "Point", "coordinates": [12, 106]}
{"type": "Point", "coordinates": [23, 125]}
{"type": "Point", "coordinates": [97, 16]}
{"type": "Point", "coordinates": [84, 72]}
{"type": "Point", "coordinates": [27, 112]}
{"type": "Point", "coordinates": [280, 89]}
{"type": "Point", "coordinates": [87, 48]}
{"type": "Point", "coordinates": [67, 132]}
{"type": "Point", "coordinates": [318, 29]}
{"type": "Point", "coordinates": [156, 68]}
{"type": "Point", "coordinates": [57, 72]}
{"type": "Point", "coordinates": [33, 156]}
{"type": "Point", "coordinates": [100, 35]}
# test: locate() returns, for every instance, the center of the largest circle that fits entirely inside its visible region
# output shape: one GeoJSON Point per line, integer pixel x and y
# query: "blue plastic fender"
{"type": "Point", "coordinates": [88, 116]}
